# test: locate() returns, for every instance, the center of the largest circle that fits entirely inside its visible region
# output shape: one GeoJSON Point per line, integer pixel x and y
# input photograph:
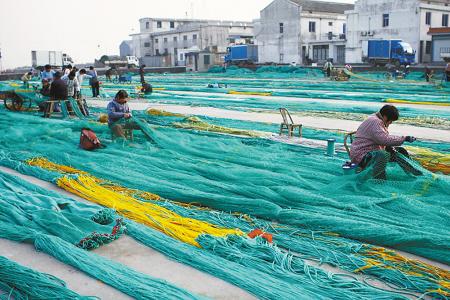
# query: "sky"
{"type": "Point", "coordinates": [86, 29]}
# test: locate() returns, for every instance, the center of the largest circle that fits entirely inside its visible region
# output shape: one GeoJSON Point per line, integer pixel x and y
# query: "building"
{"type": "Point", "coordinates": [440, 44]}
{"type": "Point", "coordinates": [301, 31]}
{"type": "Point", "coordinates": [166, 37]}
{"type": "Point", "coordinates": [408, 20]}
{"type": "Point", "coordinates": [126, 48]}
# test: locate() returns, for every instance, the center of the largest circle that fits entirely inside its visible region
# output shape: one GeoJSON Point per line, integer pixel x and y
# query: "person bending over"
{"type": "Point", "coordinates": [119, 115]}
{"type": "Point", "coordinates": [374, 146]}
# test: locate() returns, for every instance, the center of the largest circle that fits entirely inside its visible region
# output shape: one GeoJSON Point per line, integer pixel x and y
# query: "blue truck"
{"type": "Point", "coordinates": [238, 54]}
{"type": "Point", "coordinates": [397, 52]}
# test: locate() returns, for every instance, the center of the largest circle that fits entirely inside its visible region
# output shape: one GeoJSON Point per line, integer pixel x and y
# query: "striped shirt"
{"type": "Point", "coordinates": [372, 135]}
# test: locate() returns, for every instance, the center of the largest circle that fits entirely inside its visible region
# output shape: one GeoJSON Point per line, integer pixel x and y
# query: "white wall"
{"type": "Point", "coordinates": [274, 46]}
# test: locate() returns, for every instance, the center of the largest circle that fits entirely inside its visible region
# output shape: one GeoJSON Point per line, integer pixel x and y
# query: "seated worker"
{"type": "Point", "coordinates": [45, 91]}
{"type": "Point", "coordinates": [118, 113]}
{"type": "Point", "coordinates": [146, 88]}
{"type": "Point", "coordinates": [58, 90]}
{"type": "Point", "coordinates": [26, 79]}
{"type": "Point", "coordinates": [373, 146]}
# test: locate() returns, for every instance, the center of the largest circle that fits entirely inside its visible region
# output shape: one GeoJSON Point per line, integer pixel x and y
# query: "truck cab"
{"type": "Point", "coordinates": [402, 53]}
{"type": "Point", "coordinates": [132, 61]}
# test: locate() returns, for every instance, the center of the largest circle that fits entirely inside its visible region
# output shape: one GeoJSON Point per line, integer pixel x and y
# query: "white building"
{"type": "Point", "coordinates": [300, 31]}
{"type": "Point", "coordinates": [407, 20]}
{"type": "Point", "coordinates": [166, 37]}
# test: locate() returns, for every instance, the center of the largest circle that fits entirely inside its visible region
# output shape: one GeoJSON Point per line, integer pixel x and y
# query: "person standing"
{"type": "Point", "coordinates": [327, 67]}
{"type": "Point", "coordinates": [142, 73]}
{"type": "Point", "coordinates": [93, 82]}
{"type": "Point", "coordinates": [48, 73]}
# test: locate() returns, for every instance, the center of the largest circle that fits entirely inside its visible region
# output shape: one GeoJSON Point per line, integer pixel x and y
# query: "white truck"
{"type": "Point", "coordinates": [53, 58]}
{"type": "Point", "coordinates": [126, 61]}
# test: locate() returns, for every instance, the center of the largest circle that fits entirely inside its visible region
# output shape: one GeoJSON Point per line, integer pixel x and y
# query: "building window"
{"type": "Point", "coordinates": [147, 25]}
{"type": "Point", "coordinates": [158, 24]}
{"type": "Point", "coordinates": [172, 24]}
{"type": "Point", "coordinates": [330, 35]}
{"type": "Point", "coordinates": [194, 37]}
{"type": "Point", "coordinates": [184, 37]}
{"type": "Point", "coordinates": [344, 28]}
{"type": "Point", "coordinates": [428, 18]}
{"type": "Point", "coordinates": [156, 41]}
{"type": "Point", "coordinates": [206, 59]}
{"type": "Point", "coordinates": [281, 27]}
{"type": "Point", "coordinates": [166, 51]}
{"type": "Point", "coordinates": [428, 47]}
{"type": "Point", "coordinates": [330, 23]}
{"type": "Point", "coordinates": [157, 52]}
{"type": "Point", "coordinates": [312, 26]}
{"type": "Point", "coordinates": [175, 39]}
{"type": "Point", "coordinates": [146, 44]}
{"type": "Point", "coordinates": [385, 20]}
{"type": "Point", "coordinates": [165, 40]}
{"type": "Point", "coordinates": [445, 20]}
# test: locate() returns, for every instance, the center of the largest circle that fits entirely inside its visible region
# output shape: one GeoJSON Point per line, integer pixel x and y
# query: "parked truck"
{"type": "Point", "coordinates": [241, 54]}
{"type": "Point", "coordinates": [119, 61]}
{"type": "Point", "coordinates": [381, 52]}
{"type": "Point", "coordinates": [54, 58]}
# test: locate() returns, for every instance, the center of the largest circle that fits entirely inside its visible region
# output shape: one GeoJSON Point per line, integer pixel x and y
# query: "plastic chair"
{"type": "Point", "coordinates": [288, 123]}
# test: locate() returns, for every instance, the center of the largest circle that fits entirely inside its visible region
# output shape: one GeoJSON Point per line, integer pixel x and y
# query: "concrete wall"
{"type": "Point", "coordinates": [274, 46]}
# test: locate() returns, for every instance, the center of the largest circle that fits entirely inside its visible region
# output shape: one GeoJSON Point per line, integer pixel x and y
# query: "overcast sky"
{"type": "Point", "coordinates": [87, 28]}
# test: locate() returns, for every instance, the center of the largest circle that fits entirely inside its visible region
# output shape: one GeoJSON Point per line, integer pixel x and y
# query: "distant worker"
{"type": "Point", "coordinates": [327, 67]}
{"type": "Point", "coordinates": [58, 91]}
{"type": "Point", "coordinates": [147, 88]}
{"type": "Point", "coordinates": [374, 147]}
{"type": "Point", "coordinates": [45, 91]}
{"type": "Point", "coordinates": [72, 85]}
{"type": "Point", "coordinates": [142, 73]}
{"type": "Point", "coordinates": [93, 82]}
{"type": "Point", "coordinates": [67, 70]}
{"type": "Point", "coordinates": [119, 113]}
{"type": "Point", "coordinates": [447, 72]}
{"type": "Point", "coordinates": [428, 73]}
{"type": "Point", "coordinates": [26, 79]}
{"type": "Point", "coordinates": [48, 73]}
{"type": "Point", "coordinates": [108, 75]}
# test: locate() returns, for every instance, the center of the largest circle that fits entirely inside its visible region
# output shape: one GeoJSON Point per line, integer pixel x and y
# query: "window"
{"type": "Point", "coordinates": [146, 44]}
{"type": "Point", "coordinates": [344, 28]}
{"type": "Point", "coordinates": [175, 39]}
{"type": "Point", "coordinates": [330, 23]}
{"type": "Point", "coordinates": [385, 20]}
{"type": "Point", "coordinates": [172, 24]}
{"type": "Point", "coordinates": [281, 27]}
{"type": "Point", "coordinates": [194, 37]}
{"type": "Point", "coordinates": [312, 26]}
{"type": "Point", "coordinates": [147, 25]}
{"type": "Point", "coordinates": [206, 59]}
{"type": "Point", "coordinates": [165, 40]}
{"type": "Point", "coordinates": [184, 37]}
{"type": "Point", "coordinates": [445, 20]}
{"type": "Point", "coordinates": [166, 51]}
{"type": "Point", "coordinates": [158, 24]}
{"type": "Point", "coordinates": [428, 18]}
{"type": "Point", "coordinates": [428, 47]}
{"type": "Point", "coordinates": [157, 52]}
{"type": "Point", "coordinates": [330, 35]}
{"type": "Point", "coordinates": [156, 41]}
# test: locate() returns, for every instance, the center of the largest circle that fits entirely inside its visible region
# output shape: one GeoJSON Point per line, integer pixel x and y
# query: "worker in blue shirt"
{"type": "Point", "coordinates": [119, 115]}
{"type": "Point", "coordinates": [48, 73]}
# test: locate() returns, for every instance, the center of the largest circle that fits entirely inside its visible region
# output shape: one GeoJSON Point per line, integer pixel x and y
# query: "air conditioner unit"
{"type": "Point", "coordinates": [370, 33]}
{"type": "Point", "coordinates": [363, 33]}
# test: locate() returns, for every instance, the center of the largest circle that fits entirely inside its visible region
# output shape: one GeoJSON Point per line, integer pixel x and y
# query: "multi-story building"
{"type": "Point", "coordinates": [167, 37]}
{"type": "Point", "coordinates": [126, 48]}
{"type": "Point", "coordinates": [440, 44]}
{"type": "Point", "coordinates": [301, 31]}
{"type": "Point", "coordinates": [407, 20]}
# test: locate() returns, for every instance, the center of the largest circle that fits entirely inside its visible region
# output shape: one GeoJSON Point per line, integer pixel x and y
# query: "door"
{"type": "Point", "coordinates": [421, 52]}
{"type": "Point", "coordinates": [340, 54]}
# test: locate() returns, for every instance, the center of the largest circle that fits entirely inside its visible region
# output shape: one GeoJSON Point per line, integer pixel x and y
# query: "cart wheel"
{"type": "Point", "coordinates": [14, 102]}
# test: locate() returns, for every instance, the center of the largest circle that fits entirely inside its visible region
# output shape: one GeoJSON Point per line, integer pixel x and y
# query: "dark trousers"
{"type": "Point", "coordinates": [95, 89]}
{"type": "Point", "coordinates": [379, 159]}
{"type": "Point", "coordinates": [328, 72]}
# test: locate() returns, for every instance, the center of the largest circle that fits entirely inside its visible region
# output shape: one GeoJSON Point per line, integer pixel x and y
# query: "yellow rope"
{"type": "Point", "coordinates": [431, 160]}
{"type": "Point", "coordinates": [391, 100]}
{"type": "Point", "coordinates": [121, 199]}
{"type": "Point", "coordinates": [250, 93]}
{"type": "Point", "coordinates": [163, 113]}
